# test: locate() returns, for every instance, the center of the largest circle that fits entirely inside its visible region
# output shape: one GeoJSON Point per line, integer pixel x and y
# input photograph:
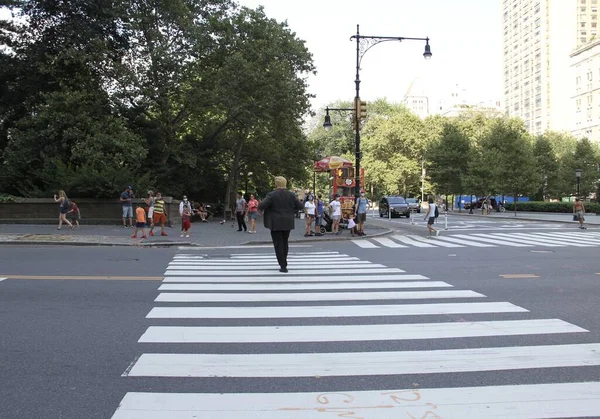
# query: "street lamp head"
{"type": "Point", "coordinates": [427, 54]}
{"type": "Point", "coordinates": [327, 124]}
{"type": "Point", "coordinates": [578, 173]}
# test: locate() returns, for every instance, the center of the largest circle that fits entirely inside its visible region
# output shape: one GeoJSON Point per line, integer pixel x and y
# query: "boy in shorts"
{"type": "Point", "coordinates": [140, 222]}
{"type": "Point", "coordinates": [73, 214]}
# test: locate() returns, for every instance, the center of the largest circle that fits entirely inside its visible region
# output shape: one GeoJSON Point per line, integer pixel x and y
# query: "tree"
{"type": "Point", "coordinates": [393, 147]}
{"type": "Point", "coordinates": [513, 165]}
{"type": "Point", "coordinates": [548, 166]}
{"type": "Point", "coordinates": [448, 159]}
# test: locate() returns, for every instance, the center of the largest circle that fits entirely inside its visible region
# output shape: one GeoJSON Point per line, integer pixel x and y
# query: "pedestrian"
{"type": "Point", "coordinates": [360, 213]}
{"type": "Point", "coordinates": [579, 212]}
{"type": "Point", "coordinates": [430, 217]}
{"type": "Point", "coordinates": [140, 222]}
{"type": "Point", "coordinates": [318, 216]}
{"type": "Point", "coordinates": [280, 207]}
{"type": "Point", "coordinates": [336, 214]}
{"type": "Point", "coordinates": [252, 213]}
{"type": "Point", "coordinates": [186, 221]}
{"type": "Point", "coordinates": [127, 203]}
{"type": "Point", "coordinates": [185, 204]}
{"type": "Point", "coordinates": [150, 202]}
{"type": "Point", "coordinates": [309, 207]}
{"type": "Point", "coordinates": [240, 212]}
{"type": "Point", "coordinates": [160, 215]}
{"type": "Point", "coordinates": [74, 215]}
{"type": "Point", "coordinates": [64, 203]}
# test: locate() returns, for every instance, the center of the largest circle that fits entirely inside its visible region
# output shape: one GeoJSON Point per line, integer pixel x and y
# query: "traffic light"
{"type": "Point", "coordinates": [362, 114]}
{"type": "Point", "coordinates": [340, 172]}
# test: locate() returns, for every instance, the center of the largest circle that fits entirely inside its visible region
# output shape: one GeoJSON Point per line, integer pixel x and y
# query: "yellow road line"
{"type": "Point", "coordinates": [518, 276]}
{"type": "Point", "coordinates": [88, 277]}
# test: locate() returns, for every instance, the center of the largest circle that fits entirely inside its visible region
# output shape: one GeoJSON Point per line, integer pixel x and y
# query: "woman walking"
{"type": "Point", "coordinates": [64, 208]}
{"type": "Point", "coordinates": [252, 213]}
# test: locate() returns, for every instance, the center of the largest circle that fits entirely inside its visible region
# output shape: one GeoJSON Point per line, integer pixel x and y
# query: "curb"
{"type": "Point", "coordinates": [173, 244]}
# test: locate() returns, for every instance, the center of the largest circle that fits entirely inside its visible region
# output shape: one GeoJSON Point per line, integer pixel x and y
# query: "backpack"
{"type": "Point", "coordinates": [437, 213]}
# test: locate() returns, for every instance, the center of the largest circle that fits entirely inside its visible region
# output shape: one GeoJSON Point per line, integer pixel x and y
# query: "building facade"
{"type": "Point", "coordinates": [587, 21]}
{"type": "Point", "coordinates": [538, 36]}
{"type": "Point", "coordinates": [585, 100]}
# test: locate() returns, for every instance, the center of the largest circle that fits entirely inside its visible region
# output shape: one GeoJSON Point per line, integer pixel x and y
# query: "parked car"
{"type": "Point", "coordinates": [479, 203]}
{"type": "Point", "coordinates": [396, 204]}
{"type": "Point", "coordinates": [414, 204]}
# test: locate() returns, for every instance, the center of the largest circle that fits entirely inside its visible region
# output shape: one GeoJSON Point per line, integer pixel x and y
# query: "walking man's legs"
{"type": "Point", "coordinates": [280, 243]}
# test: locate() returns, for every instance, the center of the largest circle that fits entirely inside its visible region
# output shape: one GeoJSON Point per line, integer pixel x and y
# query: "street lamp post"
{"type": "Point", "coordinates": [363, 44]}
{"type": "Point", "coordinates": [578, 176]}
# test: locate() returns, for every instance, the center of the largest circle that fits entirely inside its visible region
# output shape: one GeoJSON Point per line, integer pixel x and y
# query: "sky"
{"type": "Point", "coordinates": [465, 39]}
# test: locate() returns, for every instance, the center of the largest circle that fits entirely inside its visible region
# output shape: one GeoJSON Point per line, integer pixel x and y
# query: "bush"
{"type": "Point", "coordinates": [541, 206]}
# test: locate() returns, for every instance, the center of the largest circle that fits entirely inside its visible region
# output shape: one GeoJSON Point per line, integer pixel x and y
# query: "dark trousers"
{"type": "Point", "coordinates": [240, 220]}
{"type": "Point", "coordinates": [280, 242]}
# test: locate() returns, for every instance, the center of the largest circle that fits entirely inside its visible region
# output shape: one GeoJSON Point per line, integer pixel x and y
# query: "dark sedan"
{"type": "Point", "coordinates": [396, 206]}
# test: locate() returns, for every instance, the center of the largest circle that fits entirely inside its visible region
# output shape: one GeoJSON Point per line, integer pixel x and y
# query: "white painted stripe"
{"type": "Point", "coordinates": [268, 261]}
{"type": "Point", "coordinates": [189, 297]}
{"type": "Point", "coordinates": [354, 261]}
{"type": "Point", "coordinates": [454, 239]}
{"type": "Point", "coordinates": [568, 238]}
{"type": "Point", "coordinates": [558, 400]}
{"type": "Point", "coordinates": [257, 246]}
{"type": "Point", "coordinates": [406, 240]}
{"type": "Point", "coordinates": [331, 311]}
{"type": "Point", "coordinates": [487, 239]}
{"type": "Point", "coordinates": [290, 254]}
{"type": "Point", "coordinates": [3, 279]}
{"type": "Point", "coordinates": [388, 242]}
{"type": "Point", "coordinates": [261, 279]}
{"type": "Point", "coordinates": [365, 363]}
{"type": "Point", "coordinates": [561, 241]}
{"type": "Point", "coordinates": [433, 240]}
{"type": "Point", "coordinates": [365, 244]}
{"type": "Point", "coordinates": [369, 332]}
{"type": "Point", "coordinates": [305, 286]}
{"type": "Point", "coordinates": [260, 258]}
{"type": "Point", "coordinates": [250, 268]}
{"type": "Point", "coordinates": [527, 239]}
{"type": "Point", "coordinates": [274, 271]}
{"type": "Point", "coordinates": [585, 235]}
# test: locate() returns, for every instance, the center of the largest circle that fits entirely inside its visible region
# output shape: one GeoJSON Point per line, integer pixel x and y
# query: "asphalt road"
{"type": "Point", "coordinates": [65, 343]}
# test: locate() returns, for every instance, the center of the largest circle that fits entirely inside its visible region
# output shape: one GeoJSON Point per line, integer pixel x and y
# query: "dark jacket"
{"type": "Point", "coordinates": [280, 207]}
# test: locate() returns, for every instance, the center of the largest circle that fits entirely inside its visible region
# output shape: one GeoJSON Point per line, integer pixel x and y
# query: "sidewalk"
{"type": "Point", "coordinates": [548, 217]}
{"type": "Point", "coordinates": [210, 234]}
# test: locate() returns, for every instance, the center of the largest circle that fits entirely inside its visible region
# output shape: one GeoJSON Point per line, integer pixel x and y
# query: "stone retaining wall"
{"type": "Point", "coordinates": [93, 211]}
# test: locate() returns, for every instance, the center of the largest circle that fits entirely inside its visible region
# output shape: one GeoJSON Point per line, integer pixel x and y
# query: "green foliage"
{"type": "Point", "coordinates": [541, 206]}
{"type": "Point", "coordinates": [179, 95]}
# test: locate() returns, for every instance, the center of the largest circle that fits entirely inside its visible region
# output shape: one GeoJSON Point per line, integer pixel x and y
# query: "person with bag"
{"type": "Point", "coordinates": [360, 213]}
{"type": "Point", "coordinates": [64, 205]}
{"type": "Point", "coordinates": [579, 213]}
{"type": "Point", "coordinates": [430, 217]}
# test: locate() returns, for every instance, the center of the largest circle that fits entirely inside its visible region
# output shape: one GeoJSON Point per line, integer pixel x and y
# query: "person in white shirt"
{"type": "Point", "coordinates": [336, 214]}
{"type": "Point", "coordinates": [430, 217]}
{"type": "Point", "coordinates": [309, 207]}
{"type": "Point", "coordinates": [185, 204]}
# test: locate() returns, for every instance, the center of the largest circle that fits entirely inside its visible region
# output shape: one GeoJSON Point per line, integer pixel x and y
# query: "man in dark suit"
{"type": "Point", "coordinates": [280, 207]}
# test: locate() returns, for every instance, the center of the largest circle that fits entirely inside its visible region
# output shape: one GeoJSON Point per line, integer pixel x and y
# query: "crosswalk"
{"type": "Point", "coordinates": [343, 315]}
{"type": "Point", "coordinates": [492, 239]}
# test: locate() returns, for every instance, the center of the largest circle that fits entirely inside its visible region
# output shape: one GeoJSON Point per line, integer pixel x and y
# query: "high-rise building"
{"type": "Point", "coordinates": [587, 21]}
{"type": "Point", "coordinates": [538, 36]}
